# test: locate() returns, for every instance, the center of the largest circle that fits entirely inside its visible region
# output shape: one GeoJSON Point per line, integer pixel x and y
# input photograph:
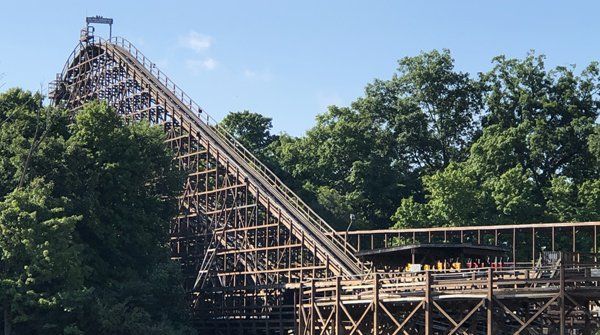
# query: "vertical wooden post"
{"type": "Point", "coordinates": [574, 241]}
{"type": "Point", "coordinates": [595, 239]}
{"type": "Point", "coordinates": [514, 248]}
{"type": "Point", "coordinates": [562, 295]}
{"type": "Point", "coordinates": [490, 303]}
{"type": "Point", "coordinates": [346, 242]}
{"type": "Point", "coordinates": [427, 303]}
{"type": "Point", "coordinates": [296, 313]}
{"type": "Point", "coordinates": [300, 310]}
{"type": "Point", "coordinates": [302, 265]}
{"type": "Point", "coordinates": [312, 307]}
{"type": "Point", "coordinates": [375, 303]}
{"type": "Point", "coordinates": [595, 243]}
{"type": "Point", "coordinates": [338, 302]}
{"type": "Point", "coordinates": [533, 247]}
{"type": "Point", "coordinates": [314, 263]}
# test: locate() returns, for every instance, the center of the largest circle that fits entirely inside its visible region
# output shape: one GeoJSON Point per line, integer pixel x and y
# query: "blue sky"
{"type": "Point", "coordinates": [289, 60]}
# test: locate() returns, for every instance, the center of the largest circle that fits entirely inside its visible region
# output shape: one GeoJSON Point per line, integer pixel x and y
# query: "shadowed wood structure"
{"type": "Point", "coordinates": [398, 257]}
{"type": "Point", "coordinates": [258, 260]}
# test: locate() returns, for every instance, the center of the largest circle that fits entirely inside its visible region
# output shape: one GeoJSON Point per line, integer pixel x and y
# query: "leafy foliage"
{"type": "Point", "coordinates": [251, 129]}
{"type": "Point", "coordinates": [434, 146]}
{"type": "Point", "coordinates": [85, 201]}
{"type": "Point", "coordinates": [86, 206]}
{"type": "Point", "coordinates": [40, 260]}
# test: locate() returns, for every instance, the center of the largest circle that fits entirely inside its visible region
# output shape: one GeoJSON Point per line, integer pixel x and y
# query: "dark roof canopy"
{"type": "Point", "coordinates": [401, 255]}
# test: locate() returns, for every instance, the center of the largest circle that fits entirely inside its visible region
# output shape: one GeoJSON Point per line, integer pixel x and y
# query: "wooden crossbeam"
{"type": "Point", "coordinates": [534, 316]}
{"type": "Point", "coordinates": [467, 317]}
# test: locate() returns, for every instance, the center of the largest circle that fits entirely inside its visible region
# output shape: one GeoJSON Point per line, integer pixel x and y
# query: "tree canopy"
{"type": "Point", "coordinates": [436, 146]}
{"type": "Point", "coordinates": [86, 199]}
{"type": "Point", "coordinates": [85, 206]}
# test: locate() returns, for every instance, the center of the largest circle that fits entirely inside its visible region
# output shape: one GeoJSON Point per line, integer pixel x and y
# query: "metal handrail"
{"type": "Point", "coordinates": [290, 196]}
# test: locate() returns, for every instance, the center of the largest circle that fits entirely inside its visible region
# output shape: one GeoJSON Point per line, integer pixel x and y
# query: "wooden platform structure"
{"type": "Point", "coordinates": [258, 260]}
{"type": "Point", "coordinates": [398, 257]}
{"type": "Point", "coordinates": [544, 300]}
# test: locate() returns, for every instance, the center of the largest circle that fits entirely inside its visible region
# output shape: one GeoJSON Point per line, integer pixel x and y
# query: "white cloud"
{"type": "Point", "coordinates": [196, 41]}
{"type": "Point", "coordinates": [258, 75]}
{"type": "Point", "coordinates": [197, 65]}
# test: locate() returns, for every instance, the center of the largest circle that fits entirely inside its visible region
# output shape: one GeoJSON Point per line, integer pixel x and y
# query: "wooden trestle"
{"type": "Point", "coordinates": [544, 300]}
{"type": "Point", "coordinates": [258, 260]}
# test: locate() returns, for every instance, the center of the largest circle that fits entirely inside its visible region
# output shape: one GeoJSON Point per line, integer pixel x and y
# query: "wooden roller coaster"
{"type": "Point", "coordinates": [258, 260]}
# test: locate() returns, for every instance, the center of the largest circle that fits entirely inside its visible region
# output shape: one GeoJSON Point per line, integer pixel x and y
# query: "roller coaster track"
{"type": "Point", "coordinates": [238, 222]}
{"type": "Point", "coordinates": [258, 260]}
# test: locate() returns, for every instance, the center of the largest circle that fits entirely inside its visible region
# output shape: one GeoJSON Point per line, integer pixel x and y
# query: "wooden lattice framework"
{"type": "Point", "coordinates": [546, 300]}
{"type": "Point", "coordinates": [241, 235]}
{"type": "Point", "coordinates": [258, 260]}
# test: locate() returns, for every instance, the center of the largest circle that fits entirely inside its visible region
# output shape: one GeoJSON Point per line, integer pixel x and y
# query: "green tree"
{"type": "Point", "coordinates": [589, 200]}
{"type": "Point", "coordinates": [345, 162]}
{"type": "Point", "coordinates": [125, 182]}
{"type": "Point", "coordinates": [553, 112]}
{"type": "Point", "coordinates": [432, 109]}
{"type": "Point", "coordinates": [411, 214]}
{"type": "Point", "coordinates": [39, 261]}
{"type": "Point", "coordinates": [437, 146]}
{"type": "Point", "coordinates": [364, 158]}
{"type": "Point", "coordinates": [594, 148]}
{"type": "Point", "coordinates": [514, 196]}
{"type": "Point", "coordinates": [31, 136]}
{"type": "Point", "coordinates": [534, 160]}
{"type": "Point", "coordinates": [119, 180]}
{"type": "Point", "coordinates": [251, 129]}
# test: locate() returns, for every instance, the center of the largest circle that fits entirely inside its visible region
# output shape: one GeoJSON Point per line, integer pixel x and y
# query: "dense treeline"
{"type": "Point", "coordinates": [434, 146]}
{"type": "Point", "coordinates": [85, 200]}
{"type": "Point", "coordinates": [85, 206]}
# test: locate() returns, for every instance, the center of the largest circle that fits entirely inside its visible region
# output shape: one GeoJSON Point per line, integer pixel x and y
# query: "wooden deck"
{"type": "Point", "coordinates": [550, 300]}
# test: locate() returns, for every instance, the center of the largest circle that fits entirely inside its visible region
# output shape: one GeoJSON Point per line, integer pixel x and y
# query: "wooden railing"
{"type": "Point", "coordinates": [524, 241]}
{"type": "Point", "coordinates": [371, 303]}
{"type": "Point", "coordinates": [407, 285]}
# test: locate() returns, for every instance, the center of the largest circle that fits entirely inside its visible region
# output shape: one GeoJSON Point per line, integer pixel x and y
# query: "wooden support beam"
{"type": "Point", "coordinates": [562, 295]}
{"type": "Point", "coordinates": [467, 317]}
{"type": "Point", "coordinates": [490, 303]}
{"type": "Point", "coordinates": [375, 303]}
{"type": "Point", "coordinates": [266, 240]}
{"type": "Point", "coordinates": [313, 302]}
{"type": "Point", "coordinates": [427, 303]}
{"type": "Point", "coordinates": [338, 302]}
